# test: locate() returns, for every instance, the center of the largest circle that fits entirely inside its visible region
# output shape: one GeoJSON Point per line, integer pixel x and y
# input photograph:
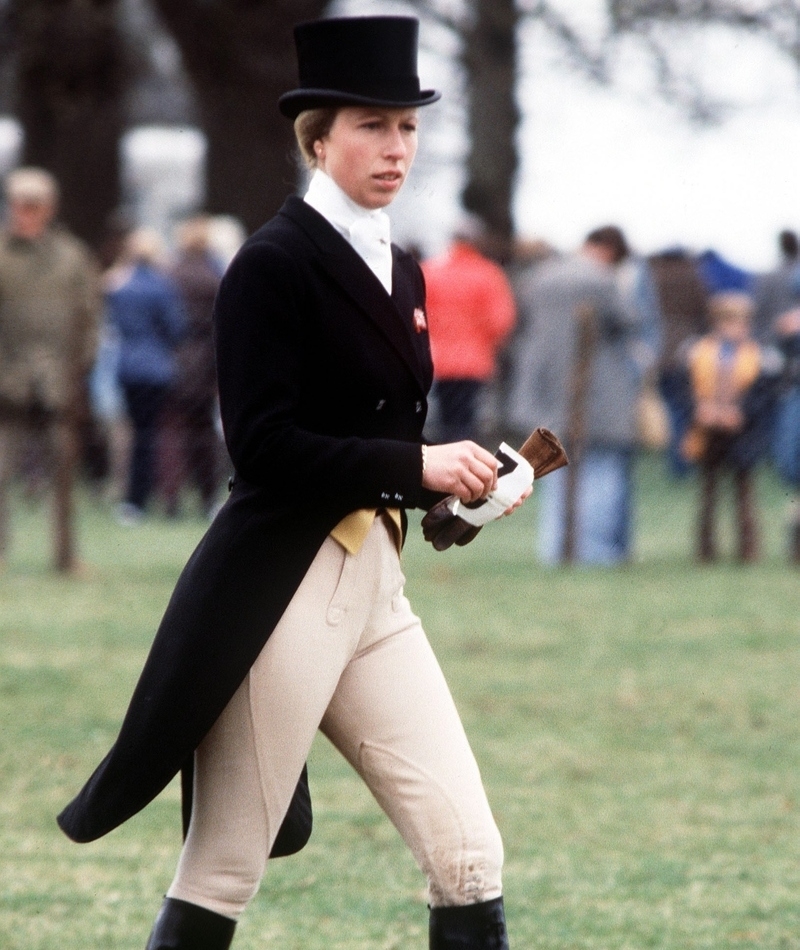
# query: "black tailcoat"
{"type": "Point", "coordinates": [323, 380]}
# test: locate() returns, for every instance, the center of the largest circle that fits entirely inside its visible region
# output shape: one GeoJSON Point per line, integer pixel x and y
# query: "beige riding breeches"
{"type": "Point", "coordinates": [350, 658]}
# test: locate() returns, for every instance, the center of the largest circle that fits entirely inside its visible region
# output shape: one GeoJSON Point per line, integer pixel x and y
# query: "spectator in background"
{"type": "Point", "coordinates": [103, 436]}
{"type": "Point", "coordinates": [108, 412]}
{"type": "Point", "coordinates": [471, 311]}
{"type": "Point", "coordinates": [189, 441]}
{"type": "Point", "coordinates": [226, 234]}
{"type": "Point", "coordinates": [730, 391]}
{"type": "Point", "coordinates": [576, 373]}
{"type": "Point", "coordinates": [637, 290]}
{"type": "Point", "coordinates": [683, 301]}
{"type": "Point", "coordinates": [526, 257]}
{"type": "Point", "coordinates": [145, 309]}
{"type": "Point", "coordinates": [108, 402]}
{"type": "Point", "coordinates": [775, 291]}
{"type": "Point", "coordinates": [720, 275]}
{"type": "Point", "coordinates": [49, 313]}
{"type": "Point", "coordinates": [786, 445]}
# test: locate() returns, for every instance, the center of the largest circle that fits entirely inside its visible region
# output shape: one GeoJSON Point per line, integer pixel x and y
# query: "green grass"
{"type": "Point", "coordinates": [638, 730]}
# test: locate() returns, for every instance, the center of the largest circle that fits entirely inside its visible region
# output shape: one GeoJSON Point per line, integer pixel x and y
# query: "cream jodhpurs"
{"type": "Point", "coordinates": [350, 658]}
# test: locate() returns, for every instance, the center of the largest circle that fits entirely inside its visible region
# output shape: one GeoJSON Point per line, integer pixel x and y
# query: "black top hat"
{"type": "Point", "coordinates": [357, 61]}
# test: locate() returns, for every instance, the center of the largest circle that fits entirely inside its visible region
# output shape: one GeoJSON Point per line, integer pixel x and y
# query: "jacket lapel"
{"type": "Point", "coordinates": [356, 279]}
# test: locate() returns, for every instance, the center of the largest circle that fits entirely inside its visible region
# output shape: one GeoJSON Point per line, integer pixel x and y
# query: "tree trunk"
{"type": "Point", "coordinates": [490, 60]}
{"type": "Point", "coordinates": [579, 383]}
{"type": "Point", "coordinates": [240, 58]}
{"type": "Point", "coordinates": [250, 163]}
{"type": "Point", "coordinates": [69, 103]}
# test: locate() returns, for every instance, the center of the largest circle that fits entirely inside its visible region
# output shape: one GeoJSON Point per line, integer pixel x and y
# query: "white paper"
{"type": "Point", "coordinates": [515, 476]}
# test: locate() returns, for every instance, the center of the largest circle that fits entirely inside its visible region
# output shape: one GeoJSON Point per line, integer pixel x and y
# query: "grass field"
{"type": "Point", "coordinates": [638, 730]}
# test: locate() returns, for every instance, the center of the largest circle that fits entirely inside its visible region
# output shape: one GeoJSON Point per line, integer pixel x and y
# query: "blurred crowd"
{"type": "Point", "coordinates": [107, 372]}
{"type": "Point", "coordinates": [616, 352]}
{"type": "Point", "coordinates": [107, 369]}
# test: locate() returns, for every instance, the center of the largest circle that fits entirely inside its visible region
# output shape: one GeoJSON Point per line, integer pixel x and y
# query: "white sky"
{"type": "Point", "coordinates": [592, 155]}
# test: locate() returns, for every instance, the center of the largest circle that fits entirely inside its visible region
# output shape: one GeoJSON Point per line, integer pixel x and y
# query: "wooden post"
{"type": "Point", "coordinates": [579, 382]}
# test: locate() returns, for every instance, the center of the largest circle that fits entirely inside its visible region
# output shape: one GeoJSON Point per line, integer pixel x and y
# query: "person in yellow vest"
{"type": "Point", "coordinates": [726, 376]}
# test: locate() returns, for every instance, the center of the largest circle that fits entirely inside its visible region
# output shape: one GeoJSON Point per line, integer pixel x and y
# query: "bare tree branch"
{"type": "Point", "coordinates": [431, 11]}
{"type": "Point", "coordinates": [653, 24]}
{"type": "Point", "coordinates": [683, 90]}
{"type": "Point", "coordinates": [778, 21]}
{"type": "Point", "coordinates": [593, 62]}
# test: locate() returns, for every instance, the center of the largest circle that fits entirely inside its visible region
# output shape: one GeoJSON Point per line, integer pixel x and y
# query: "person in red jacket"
{"type": "Point", "coordinates": [471, 312]}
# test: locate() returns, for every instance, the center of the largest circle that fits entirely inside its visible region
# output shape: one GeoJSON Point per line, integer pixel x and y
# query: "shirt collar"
{"type": "Point", "coordinates": [326, 197]}
{"type": "Point", "coordinates": [367, 230]}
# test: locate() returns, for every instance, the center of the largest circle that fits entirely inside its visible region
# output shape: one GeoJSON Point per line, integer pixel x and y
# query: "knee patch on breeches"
{"type": "Point", "coordinates": [450, 830]}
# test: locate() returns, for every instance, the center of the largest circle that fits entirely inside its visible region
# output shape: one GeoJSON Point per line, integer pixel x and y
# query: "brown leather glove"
{"type": "Point", "coordinates": [544, 452]}
{"type": "Point", "coordinates": [442, 528]}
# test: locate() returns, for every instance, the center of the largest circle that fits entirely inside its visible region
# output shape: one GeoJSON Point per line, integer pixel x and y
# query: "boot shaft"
{"type": "Point", "coordinates": [472, 927]}
{"type": "Point", "coordinates": [184, 926]}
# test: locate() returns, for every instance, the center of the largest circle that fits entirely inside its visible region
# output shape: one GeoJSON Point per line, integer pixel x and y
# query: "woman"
{"type": "Point", "coordinates": [144, 309]}
{"type": "Point", "coordinates": [290, 616]}
{"type": "Point", "coordinates": [189, 446]}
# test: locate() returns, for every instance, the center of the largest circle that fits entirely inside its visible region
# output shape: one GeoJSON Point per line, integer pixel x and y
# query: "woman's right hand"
{"type": "Point", "coordinates": [463, 469]}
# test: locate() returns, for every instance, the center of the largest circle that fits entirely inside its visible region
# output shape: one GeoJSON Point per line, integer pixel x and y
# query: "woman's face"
{"type": "Point", "coordinates": [368, 152]}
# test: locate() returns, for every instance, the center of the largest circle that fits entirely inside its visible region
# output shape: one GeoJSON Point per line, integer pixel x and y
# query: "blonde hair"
{"type": "Point", "coordinates": [730, 305]}
{"type": "Point", "coordinates": [310, 126]}
{"type": "Point", "coordinates": [145, 246]}
{"type": "Point", "coordinates": [194, 234]}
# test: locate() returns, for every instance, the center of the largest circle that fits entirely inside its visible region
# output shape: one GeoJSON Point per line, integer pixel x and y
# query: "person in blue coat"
{"type": "Point", "coordinates": [145, 310]}
{"type": "Point", "coordinates": [291, 615]}
{"type": "Point", "coordinates": [786, 435]}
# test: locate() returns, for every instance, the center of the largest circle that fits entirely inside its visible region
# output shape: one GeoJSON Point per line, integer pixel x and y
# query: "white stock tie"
{"type": "Point", "coordinates": [369, 235]}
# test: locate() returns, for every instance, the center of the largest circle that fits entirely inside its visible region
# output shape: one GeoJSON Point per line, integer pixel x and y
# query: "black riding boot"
{"type": "Point", "coordinates": [184, 926]}
{"type": "Point", "coordinates": [472, 927]}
